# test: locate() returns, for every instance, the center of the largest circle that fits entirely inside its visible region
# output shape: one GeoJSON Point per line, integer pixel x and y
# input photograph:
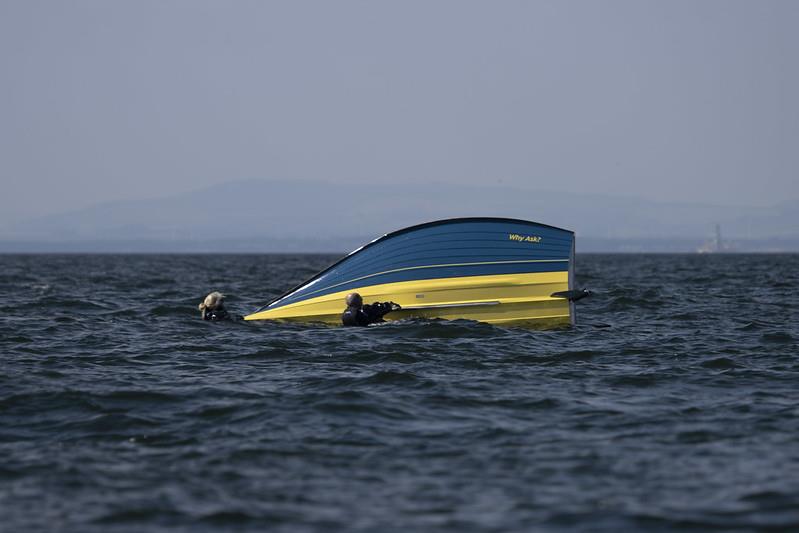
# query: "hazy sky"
{"type": "Point", "coordinates": [674, 100]}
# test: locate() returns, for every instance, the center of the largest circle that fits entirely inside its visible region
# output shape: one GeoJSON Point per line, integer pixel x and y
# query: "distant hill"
{"type": "Point", "coordinates": [294, 216]}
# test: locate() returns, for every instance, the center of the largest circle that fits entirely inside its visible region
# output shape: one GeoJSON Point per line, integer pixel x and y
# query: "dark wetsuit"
{"type": "Point", "coordinates": [220, 313]}
{"type": "Point", "coordinates": [368, 314]}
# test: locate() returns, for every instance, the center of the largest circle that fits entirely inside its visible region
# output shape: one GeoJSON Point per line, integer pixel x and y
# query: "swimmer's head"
{"type": "Point", "coordinates": [212, 301]}
{"type": "Point", "coordinates": [354, 300]}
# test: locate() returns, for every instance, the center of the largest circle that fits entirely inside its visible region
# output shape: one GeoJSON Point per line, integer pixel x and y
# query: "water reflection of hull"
{"type": "Point", "coordinates": [493, 270]}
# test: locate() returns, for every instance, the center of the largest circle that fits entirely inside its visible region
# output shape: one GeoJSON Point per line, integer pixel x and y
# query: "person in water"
{"type": "Point", "coordinates": [213, 307]}
{"type": "Point", "coordinates": [358, 314]}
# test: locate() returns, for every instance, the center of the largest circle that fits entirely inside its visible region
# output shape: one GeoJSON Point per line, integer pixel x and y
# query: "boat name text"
{"type": "Point", "coordinates": [524, 238]}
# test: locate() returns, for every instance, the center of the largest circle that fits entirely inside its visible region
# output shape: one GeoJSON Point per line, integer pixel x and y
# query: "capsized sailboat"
{"type": "Point", "coordinates": [497, 270]}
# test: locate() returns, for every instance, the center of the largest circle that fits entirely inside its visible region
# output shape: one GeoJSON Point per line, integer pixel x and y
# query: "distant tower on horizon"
{"type": "Point", "coordinates": [714, 246]}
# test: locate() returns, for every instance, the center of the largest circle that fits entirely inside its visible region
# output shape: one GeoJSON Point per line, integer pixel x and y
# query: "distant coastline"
{"type": "Point", "coordinates": [262, 216]}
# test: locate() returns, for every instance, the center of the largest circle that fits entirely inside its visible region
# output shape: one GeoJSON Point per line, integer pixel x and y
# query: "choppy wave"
{"type": "Point", "coordinates": [671, 405]}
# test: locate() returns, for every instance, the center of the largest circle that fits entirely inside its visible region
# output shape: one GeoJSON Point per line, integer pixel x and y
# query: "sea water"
{"type": "Point", "coordinates": [673, 404]}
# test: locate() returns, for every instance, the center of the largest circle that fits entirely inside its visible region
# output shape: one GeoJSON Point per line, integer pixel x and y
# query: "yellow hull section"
{"type": "Point", "coordinates": [498, 299]}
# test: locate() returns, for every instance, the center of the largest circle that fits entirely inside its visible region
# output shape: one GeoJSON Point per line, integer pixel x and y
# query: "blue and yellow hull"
{"type": "Point", "coordinates": [498, 271]}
